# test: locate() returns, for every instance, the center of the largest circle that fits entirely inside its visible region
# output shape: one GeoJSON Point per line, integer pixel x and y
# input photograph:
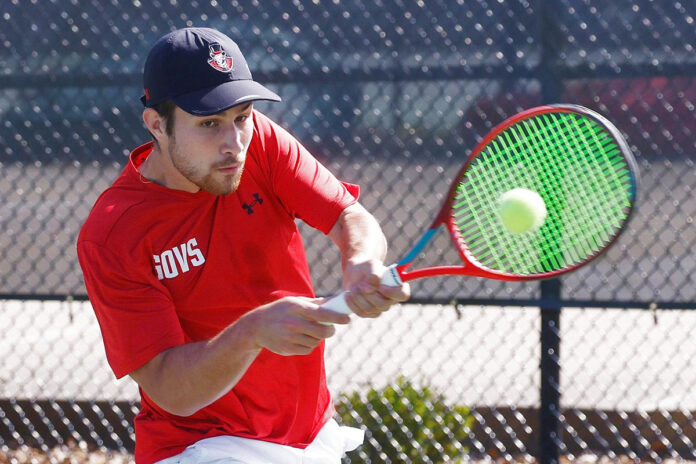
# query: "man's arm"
{"type": "Point", "coordinates": [188, 377]}
{"type": "Point", "coordinates": [363, 249]}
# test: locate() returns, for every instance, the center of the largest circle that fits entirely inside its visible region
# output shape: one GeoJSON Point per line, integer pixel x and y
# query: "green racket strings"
{"type": "Point", "coordinates": [577, 168]}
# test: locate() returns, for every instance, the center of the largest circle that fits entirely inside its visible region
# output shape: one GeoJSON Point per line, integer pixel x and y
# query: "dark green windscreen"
{"type": "Point", "coordinates": [577, 168]}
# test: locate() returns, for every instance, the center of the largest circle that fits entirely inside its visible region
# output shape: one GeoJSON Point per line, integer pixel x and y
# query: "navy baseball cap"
{"type": "Point", "coordinates": [202, 71]}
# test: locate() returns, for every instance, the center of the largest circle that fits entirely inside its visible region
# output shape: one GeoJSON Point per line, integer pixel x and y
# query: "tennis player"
{"type": "Point", "coordinates": [198, 277]}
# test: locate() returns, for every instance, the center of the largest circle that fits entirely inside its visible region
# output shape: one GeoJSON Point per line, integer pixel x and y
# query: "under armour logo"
{"type": "Point", "coordinates": [249, 207]}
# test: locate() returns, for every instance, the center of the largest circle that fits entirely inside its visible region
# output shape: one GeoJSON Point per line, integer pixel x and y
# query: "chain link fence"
{"type": "Point", "coordinates": [391, 95]}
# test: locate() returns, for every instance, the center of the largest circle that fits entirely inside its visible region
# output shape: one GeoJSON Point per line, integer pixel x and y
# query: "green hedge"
{"type": "Point", "coordinates": [405, 423]}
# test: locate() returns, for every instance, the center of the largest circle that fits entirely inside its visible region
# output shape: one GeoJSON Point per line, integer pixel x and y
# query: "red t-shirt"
{"type": "Point", "coordinates": [165, 267]}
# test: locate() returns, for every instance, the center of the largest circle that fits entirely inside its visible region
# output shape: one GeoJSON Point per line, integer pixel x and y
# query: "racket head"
{"type": "Point", "coordinates": [575, 159]}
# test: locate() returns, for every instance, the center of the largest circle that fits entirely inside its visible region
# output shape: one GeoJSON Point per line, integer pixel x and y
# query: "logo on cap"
{"type": "Point", "coordinates": [219, 59]}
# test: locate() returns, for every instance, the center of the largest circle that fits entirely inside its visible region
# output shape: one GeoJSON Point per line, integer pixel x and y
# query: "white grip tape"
{"type": "Point", "coordinates": [338, 303]}
{"type": "Point", "coordinates": [391, 277]}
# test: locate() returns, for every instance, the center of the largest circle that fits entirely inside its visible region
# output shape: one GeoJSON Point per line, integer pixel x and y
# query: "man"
{"type": "Point", "coordinates": [198, 277]}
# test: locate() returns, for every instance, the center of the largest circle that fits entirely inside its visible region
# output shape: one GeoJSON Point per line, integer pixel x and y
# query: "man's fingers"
{"type": "Point", "coordinates": [368, 305]}
{"type": "Point", "coordinates": [304, 337]}
{"type": "Point", "coordinates": [398, 294]}
{"type": "Point", "coordinates": [373, 303]}
{"type": "Point", "coordinates": [326, 316]}
{"type": "Point", "coordinates": [299, 345]}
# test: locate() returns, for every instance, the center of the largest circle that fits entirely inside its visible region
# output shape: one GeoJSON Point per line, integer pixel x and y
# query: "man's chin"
{"type": "Point", "coordinates": [221, 187]}
{"type": "Point", "coordinates": [219, 190]}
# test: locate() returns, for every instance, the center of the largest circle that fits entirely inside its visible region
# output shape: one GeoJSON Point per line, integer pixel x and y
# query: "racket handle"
{"type": "Point", "coordinates": [338, 303]}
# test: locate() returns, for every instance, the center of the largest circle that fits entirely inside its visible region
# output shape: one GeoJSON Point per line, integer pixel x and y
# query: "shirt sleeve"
{"type": "Point", "coordinates": [307, 189]}
{"type": "Point", "coordinates": [137, 318]}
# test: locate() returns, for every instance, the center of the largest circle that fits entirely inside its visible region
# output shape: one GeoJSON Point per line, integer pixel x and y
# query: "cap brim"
{"type": "Point", "coordinates": [216, 99]}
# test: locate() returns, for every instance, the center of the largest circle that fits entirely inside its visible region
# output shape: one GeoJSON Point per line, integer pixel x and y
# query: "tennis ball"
{"type": "Point", "coordinates": [521, 210]}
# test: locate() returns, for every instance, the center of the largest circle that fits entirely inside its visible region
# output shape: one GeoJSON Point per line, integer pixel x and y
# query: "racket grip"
{"type": "Point", "coordinates": [338, 303]}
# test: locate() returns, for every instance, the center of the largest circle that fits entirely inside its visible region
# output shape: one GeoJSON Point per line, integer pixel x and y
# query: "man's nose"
{"type": "Point", "coordinates": [232, 142]}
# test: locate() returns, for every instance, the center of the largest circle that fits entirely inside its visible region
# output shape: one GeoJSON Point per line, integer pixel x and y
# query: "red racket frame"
{"type": "Point", "coordinates": [469, 265]}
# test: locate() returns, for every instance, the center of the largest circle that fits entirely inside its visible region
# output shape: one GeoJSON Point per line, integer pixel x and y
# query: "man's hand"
{"type": "Point", "coordinates": [292, 325]}
{"type": "Point", "coordinates": [366, 296]}
{"type": "Point", "coordinates": [363, 249]}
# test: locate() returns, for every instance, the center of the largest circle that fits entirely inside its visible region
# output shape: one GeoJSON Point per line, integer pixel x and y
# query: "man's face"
{"type": "Point", "coordinates": [209, 151]}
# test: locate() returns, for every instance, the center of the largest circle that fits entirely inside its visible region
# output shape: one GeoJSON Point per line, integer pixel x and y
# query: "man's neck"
{"type": "Point", "coordinates": [159, 169]}
{"type": "Point", "coordinates": [149, 168]}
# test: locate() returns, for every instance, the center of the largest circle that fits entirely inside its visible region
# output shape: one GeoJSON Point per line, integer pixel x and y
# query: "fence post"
{"type": "Point", "coordinates": [550, 439]}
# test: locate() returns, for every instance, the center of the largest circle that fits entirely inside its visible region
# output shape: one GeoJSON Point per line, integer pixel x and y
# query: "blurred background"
{"type": "Point", "coordinates": [392, 95]}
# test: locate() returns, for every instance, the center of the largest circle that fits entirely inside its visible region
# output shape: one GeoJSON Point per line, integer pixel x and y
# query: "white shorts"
{"type": "Point", "coordinates": [328, 447]}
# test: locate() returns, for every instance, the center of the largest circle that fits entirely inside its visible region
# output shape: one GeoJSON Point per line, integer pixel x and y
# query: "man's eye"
{"type": "Point", "coordinates": [209, 123]}
{"type": "Point", "coordinates": [242, 117]}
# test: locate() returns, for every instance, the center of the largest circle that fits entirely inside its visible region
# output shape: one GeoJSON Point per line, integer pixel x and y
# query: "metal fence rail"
{"type": "Point", "coordinates": [390, 95]}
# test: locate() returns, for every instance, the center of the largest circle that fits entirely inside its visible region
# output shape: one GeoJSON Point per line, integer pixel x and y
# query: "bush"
{"type": "Point", "coordinates": [404, 423]}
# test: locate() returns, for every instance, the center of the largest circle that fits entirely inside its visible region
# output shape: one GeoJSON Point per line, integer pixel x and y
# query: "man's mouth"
{"type": "Point", "coordinates": [229, 169]}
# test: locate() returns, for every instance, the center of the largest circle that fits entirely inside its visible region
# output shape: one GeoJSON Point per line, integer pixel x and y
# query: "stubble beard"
{"type": "Point", "coordinates": [211, 181]}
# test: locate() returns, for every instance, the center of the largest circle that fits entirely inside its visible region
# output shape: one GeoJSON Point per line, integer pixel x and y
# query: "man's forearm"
{"type": "Point", "coordinates": [188, 377]}
{"type": "Point", "coordinates": [358, 235]}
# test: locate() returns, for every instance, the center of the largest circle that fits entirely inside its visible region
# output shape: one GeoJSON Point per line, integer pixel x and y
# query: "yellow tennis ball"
{"type": "Point", "coordinates": [521, 210]}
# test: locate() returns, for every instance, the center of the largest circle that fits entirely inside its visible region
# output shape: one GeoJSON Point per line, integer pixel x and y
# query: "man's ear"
{"type": "Point", "coordinates": [154, 123]}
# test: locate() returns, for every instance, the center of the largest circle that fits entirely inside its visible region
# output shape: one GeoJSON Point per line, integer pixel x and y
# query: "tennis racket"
{"type": "Point", "coordinates": [573, 158]}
